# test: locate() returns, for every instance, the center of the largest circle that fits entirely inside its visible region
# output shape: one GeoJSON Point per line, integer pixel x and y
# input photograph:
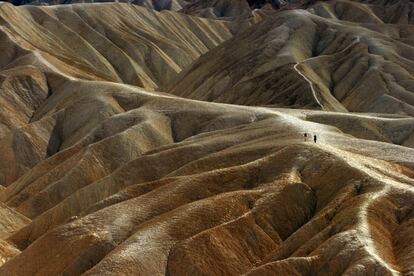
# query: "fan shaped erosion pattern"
{"type": "Point", "coordinates": [139, 142]}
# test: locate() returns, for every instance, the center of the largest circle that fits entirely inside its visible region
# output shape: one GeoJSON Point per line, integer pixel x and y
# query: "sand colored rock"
{"type": "Point", "coordinates": [336, 55]}
{"type": "Point", "coordinates": [112, 46]}
{"type": "Point", "coordinates": [103, 173]}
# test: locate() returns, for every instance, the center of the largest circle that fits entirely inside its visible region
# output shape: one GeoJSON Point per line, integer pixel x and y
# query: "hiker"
{"type": "Point", "coordinates": [314, 138]}
{"type": "Point", "coordinates": [305, 136]}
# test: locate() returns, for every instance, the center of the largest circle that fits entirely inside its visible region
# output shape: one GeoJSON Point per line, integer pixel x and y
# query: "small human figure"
{"type": "Point", "coordinates": [314, 138]}
{"type": "Point", "coordinates": [305, 136]}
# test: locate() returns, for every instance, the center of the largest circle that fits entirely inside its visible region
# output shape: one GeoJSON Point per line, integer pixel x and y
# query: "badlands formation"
{"type": "Point", "coordinates": [139, 142]}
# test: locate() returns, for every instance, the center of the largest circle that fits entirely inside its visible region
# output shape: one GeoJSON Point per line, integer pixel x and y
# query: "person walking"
{"type": "Point", "coordinates": [305, 136]}
{"type": "Point", "coordinates": [314, 138]}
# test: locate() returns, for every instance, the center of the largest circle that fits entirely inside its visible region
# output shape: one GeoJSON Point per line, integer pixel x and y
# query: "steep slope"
{"type": "Point", "coordinates": [45, 45]}
{"type": "Point", "coordinates": [113, 42]}
{"type": "Point", "coordinates": [319, 58]}
{"type": "Point", "coordinates": [238, 180]}
{"type": "Point", "coordinates": [10, 222]}
{"type": "Point", "coordinates": [106, 178]}
{"type": "Point", "coordinates": [218, 8]}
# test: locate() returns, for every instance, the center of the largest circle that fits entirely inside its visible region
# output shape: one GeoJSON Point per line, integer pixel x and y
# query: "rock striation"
{"type": "Point", "coordinates": [137, 142]}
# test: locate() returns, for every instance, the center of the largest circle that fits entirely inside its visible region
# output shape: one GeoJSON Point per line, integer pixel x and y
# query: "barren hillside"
{"type": "Point", "coordinates": [138, 142]}
{"type": "Point", "coordinates": [339, 55]}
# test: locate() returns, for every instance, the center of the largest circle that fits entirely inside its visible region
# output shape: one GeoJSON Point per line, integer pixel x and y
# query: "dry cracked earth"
{"type": "Point", "coordinates": [167, 138]}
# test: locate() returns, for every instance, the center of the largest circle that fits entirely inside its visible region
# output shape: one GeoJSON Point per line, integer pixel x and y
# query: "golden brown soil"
{"type": "Point", "coordinates": [102, 174]}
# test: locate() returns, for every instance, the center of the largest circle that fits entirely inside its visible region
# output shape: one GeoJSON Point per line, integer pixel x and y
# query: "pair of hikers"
{"type": "Point", "coordinates": [305, 135]}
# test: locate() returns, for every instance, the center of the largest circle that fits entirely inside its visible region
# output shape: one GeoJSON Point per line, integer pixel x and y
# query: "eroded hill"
{"type": "Point", "coordinates": [111, 42]}
{"type": "Point", "coordinates": [102, 174]}
{"type": "Point", "coordinates": [338, 55]}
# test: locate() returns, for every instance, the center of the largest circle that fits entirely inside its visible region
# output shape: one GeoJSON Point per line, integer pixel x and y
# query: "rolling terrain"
{"type": "Point", "coordinates": [338, 55]}
{"type": "Point", "coordinates": [138, 142]}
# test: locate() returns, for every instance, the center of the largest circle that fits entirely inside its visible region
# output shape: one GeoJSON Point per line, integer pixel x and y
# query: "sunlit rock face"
{"type": "Point", "coordinates": [221, 139]}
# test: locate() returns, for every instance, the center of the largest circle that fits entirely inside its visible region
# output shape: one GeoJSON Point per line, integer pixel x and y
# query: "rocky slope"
{"type": "Point", "coordinates": [338, 55]}
{"type": "Point", "coordinates": [111, 42]}
{"type": "Point", "coordinates": [103, 174]}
